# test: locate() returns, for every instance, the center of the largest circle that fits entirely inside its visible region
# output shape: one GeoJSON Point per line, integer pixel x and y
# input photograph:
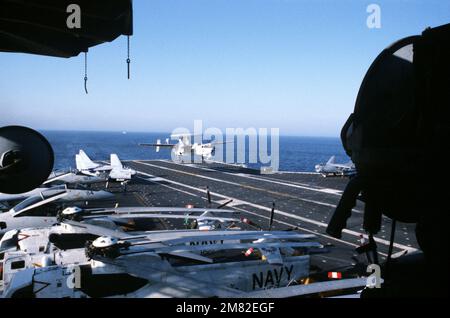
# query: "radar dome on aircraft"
{"type": "Point", "coordinates": [26, 159]}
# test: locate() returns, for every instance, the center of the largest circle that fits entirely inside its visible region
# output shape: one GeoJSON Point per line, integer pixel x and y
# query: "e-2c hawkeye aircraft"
{"type": "Point", "coordinates": [185, 147]}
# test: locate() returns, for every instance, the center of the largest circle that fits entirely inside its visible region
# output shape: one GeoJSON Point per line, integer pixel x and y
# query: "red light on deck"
{"type": "Point", "coordinates": [247, 221]}
{"type": "Point", "coordinates": [249, 252]}
{"type": "Point", "coordinates": [334, 275]}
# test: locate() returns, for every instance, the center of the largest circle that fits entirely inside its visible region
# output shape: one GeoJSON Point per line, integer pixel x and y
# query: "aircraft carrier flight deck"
{"type": "Point", "coordinates": [304, 201]}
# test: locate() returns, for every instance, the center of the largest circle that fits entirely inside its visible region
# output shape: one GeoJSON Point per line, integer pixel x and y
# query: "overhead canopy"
{"type": "Point", "coordinates": [40, 26]}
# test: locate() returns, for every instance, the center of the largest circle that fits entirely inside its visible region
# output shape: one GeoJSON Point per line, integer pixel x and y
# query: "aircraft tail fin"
{"type": "Point", "coordinates": [332, 160]}
{"type": "Point", "coordinates": [79, 162]}
{"type": "Point", "coordinates": [158, 142]}
{"type": "Point", "coordinates": [115, 162]}
{"type": "Point", "coordinates": [86, 162]}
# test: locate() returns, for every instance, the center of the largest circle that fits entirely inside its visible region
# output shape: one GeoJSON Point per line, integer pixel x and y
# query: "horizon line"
{"type": "Point", "coordinates": [162, 132]}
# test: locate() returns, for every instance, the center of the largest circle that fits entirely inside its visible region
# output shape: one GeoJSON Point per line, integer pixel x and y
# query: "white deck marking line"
{"type": "Point", "coordinates": [289, 183]}
{"type": "Point", "coordinates": [323, 190]}
{"type": "Point", "coordinates": [240, 166]}
{"type": "Point", "coordinates": [321, 224]}
{"type": "Point", "coordinates": [158, 181]}
{"type": "Point", "coordinates": [299, 172]}
{"type": "Point", "coordinates": [153, 179]}
{"type": "Point", "coordinates": [241, 185]}
{"type": "Point", "coordinates": [398, 254]}
{"type": "Point", "coordinates": [286, 183]}
{"type": "Point", "coordinates": [294, 184]}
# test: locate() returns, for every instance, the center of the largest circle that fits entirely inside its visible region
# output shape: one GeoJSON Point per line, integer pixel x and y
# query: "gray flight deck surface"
{"type": "Point", "coordinates": [303, 200]}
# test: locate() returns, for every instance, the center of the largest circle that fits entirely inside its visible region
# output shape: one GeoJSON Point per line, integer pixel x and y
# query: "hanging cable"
{"type": "Point", "coordinates": [128, 56]}
{"type": "Point", "coordinates": [85, 73]}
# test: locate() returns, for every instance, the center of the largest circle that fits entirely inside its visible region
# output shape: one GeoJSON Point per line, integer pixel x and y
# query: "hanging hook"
{"type": "Point", "coordinates": [128, 56]}
{"type": "Point", "coordinates": [85, 73]}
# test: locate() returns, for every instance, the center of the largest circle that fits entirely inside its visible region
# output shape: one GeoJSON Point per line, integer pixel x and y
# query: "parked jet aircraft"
{"type": "Point", "coordinates": [41, 206]}
{"type": "Point", "coordinates": [115, 171]}
{"type": "Point", "coordinates": [184, 146]}
{"type": "Point", "coordinates": [331, 168]}
{"type": "Point", "coordinates": [164, 263]}
{"type": "Point", "coordinates": [51, 261]}
{"type": "Point", "coordinates": [74, 193]}
{"type": "Point", "coordinates": [71, 177]}
{"type": "Point", "coordinates": [119, 172]}
{"type": "Point", "coordinates": [132, 217]}
{"type": "Point", "coordinates": [86, 166]}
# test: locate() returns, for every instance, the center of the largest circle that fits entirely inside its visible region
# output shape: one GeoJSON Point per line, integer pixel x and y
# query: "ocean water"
{"type": "Point", "coordinates": [295, 153]}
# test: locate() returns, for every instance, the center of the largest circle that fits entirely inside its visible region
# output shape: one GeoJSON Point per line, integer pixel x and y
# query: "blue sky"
{"type": "Point", "coordinates": [289, 64]}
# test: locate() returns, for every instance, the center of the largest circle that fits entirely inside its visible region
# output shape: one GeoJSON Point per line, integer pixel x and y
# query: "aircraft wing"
{"type": "Point", "coordinates": [184, 135]}
{"type": "Point", "coordinates": [103, 168]}
{"type": "Point", "coordinates": [157, 145]}
{"type": "Point", "coordinates": [96, 229]}
{"type": "Point", "coordinates": [314, 288]}
{"type": "Point", "coordinates": [73, 178]}
{"type": "Point", "coordinates": [213, 143]}
{"type": "Point", "coordinates": [239, 235]}
{"type": "Point", "coordinates": [120, 174]}
{"type": "Point", "coordinates": [170, 239]}
{"type": "Point", "coordinates": [192, 256]}
{"type": "Point", "coordinates": [331, 161]}
{"type": "Point", "coordinates": [342, 166]}
{"type": "Point", "coordinates": [168, 280]}
{"type": "Point", "coordinates": [166, 216]}
{"type": "Point", "coordinates": [58, 177]}
{"type": "Point", "coordinates": [181, 237]}
{"type": "Point", "coordinates": [144, 210]}
{"type": "Point", "coordinates": [232, 246]}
